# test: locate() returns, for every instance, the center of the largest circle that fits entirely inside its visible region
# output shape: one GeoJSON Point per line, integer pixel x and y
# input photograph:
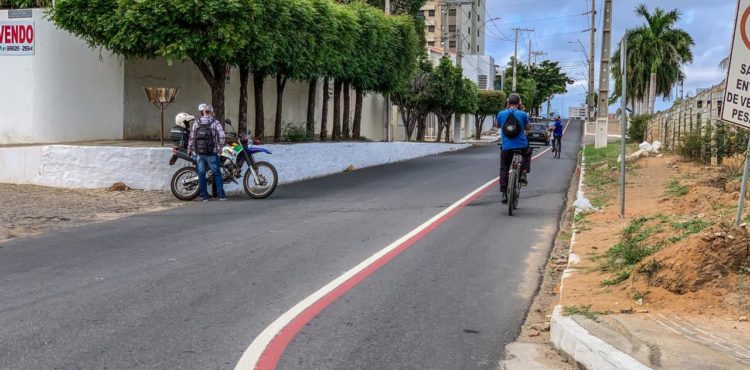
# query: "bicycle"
{"type": "Point", "coordinates": [557, 147]}
{"type": "Point", "coordinates": [514, 175]}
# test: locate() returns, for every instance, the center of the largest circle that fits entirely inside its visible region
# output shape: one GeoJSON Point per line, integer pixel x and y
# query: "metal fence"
{"type": "Point", "coordinates": [694, 125]}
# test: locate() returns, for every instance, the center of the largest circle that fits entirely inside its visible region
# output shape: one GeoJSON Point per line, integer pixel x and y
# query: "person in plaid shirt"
{"type": "Point", "coordinates": [206, 140]}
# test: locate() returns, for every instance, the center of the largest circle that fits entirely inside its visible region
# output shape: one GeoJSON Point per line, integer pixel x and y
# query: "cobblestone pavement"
{"type": "Point", "coordinates": [29, 210]}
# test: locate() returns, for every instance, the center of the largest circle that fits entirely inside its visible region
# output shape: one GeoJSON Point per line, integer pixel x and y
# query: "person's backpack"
{"type": "Point", "coordinates": [512, 128]}
{"type": "Point", "coordinates": [204, 139]}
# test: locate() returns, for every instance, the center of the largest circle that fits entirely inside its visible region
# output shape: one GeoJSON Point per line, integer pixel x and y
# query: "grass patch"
{"type": "Point", "coordinates": [564, 236]}
{"type": "Point", "coordinates": [632, 249]}
{"type": "Point", "coordinates": [619, 278]}
{"type": "Point", "coordinates": [675, 189]}
{"type": "Point", "coordinates": [688, 228]}
{"type": "Point", "coordinates": [584, 310]}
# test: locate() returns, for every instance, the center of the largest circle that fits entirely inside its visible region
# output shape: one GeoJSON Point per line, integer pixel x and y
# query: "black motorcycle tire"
{"type": "Point", "coordinates": [248, 180]}
{"type": "Point", "coordinates": [173, 184]}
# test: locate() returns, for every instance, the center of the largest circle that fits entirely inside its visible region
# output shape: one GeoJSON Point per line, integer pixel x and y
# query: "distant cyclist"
{"type": "Point", "coordinates": [513, 124]}
{"type": "Point", "coordinates": [557, 132]}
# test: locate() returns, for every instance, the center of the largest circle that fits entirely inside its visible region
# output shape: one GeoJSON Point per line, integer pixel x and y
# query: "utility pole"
{"type": "Point", "coordinates": [602, 121]}
{"type": "Point", "coordinates": [538, 54]}
{"type": "Point", "coordinates": [591, 100]}
{"type": "Point", "coordinates": [530, 52]}
{"type": "Point", "coordinates": [515, 56]}
{"type": "Point", "coordinates": [605, 59]}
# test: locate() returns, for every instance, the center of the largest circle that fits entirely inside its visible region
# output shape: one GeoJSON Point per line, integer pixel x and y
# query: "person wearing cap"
{"type": "Point", "coordinates": [206, 140]}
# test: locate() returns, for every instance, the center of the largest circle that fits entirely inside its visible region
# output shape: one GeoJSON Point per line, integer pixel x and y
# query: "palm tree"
{"type": "Point", "coordinates": [656, 52]}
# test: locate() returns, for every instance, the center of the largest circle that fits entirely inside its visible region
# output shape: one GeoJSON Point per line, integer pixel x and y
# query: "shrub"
{"type": "Point", "coordinates": [296, 133]}
{"type": "Point", "coordinates": [637, 127]}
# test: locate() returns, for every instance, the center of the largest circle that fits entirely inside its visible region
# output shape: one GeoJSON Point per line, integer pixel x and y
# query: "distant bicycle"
{"type": "Point", "coordinates": [557, 147]}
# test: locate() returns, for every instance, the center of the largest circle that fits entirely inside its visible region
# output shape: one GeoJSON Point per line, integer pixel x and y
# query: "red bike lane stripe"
{"type": "Point", "coordinates": [271, 354]}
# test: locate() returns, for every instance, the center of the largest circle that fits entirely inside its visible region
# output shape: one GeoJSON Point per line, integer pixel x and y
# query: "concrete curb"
{"type": "Point", "coordinates": [574, 340]}
{"type": "Point", "coordinates": [586, 349]}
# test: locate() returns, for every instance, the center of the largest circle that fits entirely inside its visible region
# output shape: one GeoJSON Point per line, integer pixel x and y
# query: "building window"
{"type": "Point", "coordinates": [452, 44]}
{"type": "Point", "coordinates": [431, 43]}
{"type": "Point", "coordinates": [431, 13]}
{"type": "Point", "coordinates": [430, 28]}
{"type": "Point", "coordinates": [452, 12]}
{"type": "Point", "coordinates": [451, 28]}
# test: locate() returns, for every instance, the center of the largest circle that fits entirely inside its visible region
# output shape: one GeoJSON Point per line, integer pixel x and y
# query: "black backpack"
{"type": "Point", "coordinates": [511, 128]}
{"type": "Point", "coordinates": [204, 139]}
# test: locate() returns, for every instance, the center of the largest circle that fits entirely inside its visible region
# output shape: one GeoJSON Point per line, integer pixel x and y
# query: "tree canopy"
{"type": "Point", "coordinates": [536, 83]}
{"type": "Point", "coordinates": [657, 50]}
{"type": "Point", "coordinates": [293, 39]}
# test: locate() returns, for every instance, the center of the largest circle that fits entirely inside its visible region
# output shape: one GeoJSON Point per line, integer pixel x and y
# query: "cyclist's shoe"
{"type": "Point", "coordinates": [523, 180]}
{"type": "Point", "coordinates": [504, 199]}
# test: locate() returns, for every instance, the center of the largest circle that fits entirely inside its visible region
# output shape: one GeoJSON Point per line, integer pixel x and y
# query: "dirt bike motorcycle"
{"type": "Point", "coordinates": [259, 179]}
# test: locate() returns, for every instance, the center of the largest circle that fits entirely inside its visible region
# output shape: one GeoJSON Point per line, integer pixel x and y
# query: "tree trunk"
{"type": "Point", "coordinates": [336, 134]}
{"type": "Point", "coordinates": [280, 85]}
{"type": "Point", "coordinates": [324, 114]}
{"type": "Point", "coordinates": [260, 118]}
{"type": "Point", "coordinates": [421, 127]}
{"type": "Point", "coordinates": [440, 127]}
{"type": "Point", "coordinates": [478, 123]}
{"type": "Point", "coordinates": [347, 108]}
{"type": "Point", "coordinates": [652, 93]}
{"type": "Point", "coordinates": [406, 115]}
{"type": "Point", "coordinates": [357, 127]}
{"type": "Point", "coordinates": [244, 77]}
{"type": "Point", "coordinates": [311, 92]}
{"type": "Point", "coordinates": [217, 91]}
{"type": "Point", "coordinates": [449, 122]}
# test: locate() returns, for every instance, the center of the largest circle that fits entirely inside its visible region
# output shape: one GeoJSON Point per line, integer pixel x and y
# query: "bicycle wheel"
{"type": "Point", "coordinates": [558, 148]}
{"type": "Point", "coordinates": [517, 187]}
{"type": "Point", "coordinates": [512, 191]}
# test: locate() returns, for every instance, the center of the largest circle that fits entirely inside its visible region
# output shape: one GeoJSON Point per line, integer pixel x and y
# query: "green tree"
{"type": "Point", "coordinates": [656, 52]}
{"type": "Point", "coordinates": [413, 98]}
{"type": "Point", "coordinates": [489, 103]}
{"type": "Point", "coordinates": [451, 94]}
{"type": "Point", "coordinates": [176, 30]}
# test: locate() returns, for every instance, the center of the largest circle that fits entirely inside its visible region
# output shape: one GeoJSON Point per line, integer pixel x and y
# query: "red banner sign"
{"type": "Point", "coordinates": [17, 37]}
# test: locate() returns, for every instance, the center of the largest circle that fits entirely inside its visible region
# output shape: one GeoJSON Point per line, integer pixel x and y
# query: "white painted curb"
{"type": "Point", "coordinates": [586, 349]}
{"type": "Point", "coordinates": [70, 166]}
{"type": "Point", "coordinates": [574, 340]}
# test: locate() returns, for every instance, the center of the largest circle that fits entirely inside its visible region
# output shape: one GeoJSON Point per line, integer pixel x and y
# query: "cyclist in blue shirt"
{"type": "Point", "coordinates": [557, 133]}
{"type": "Point", "coordinates": [510, 145]}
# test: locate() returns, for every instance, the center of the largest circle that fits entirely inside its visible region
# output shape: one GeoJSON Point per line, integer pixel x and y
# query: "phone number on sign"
{"type": "Point", "coordinates": [17, 48]}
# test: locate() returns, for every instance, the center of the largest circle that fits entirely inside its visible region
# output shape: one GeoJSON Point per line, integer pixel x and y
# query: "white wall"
{"type": "Point", "coordinates": [68, 166]}
{"type": "Point", "coordinates": [141, 119]}
{"type": "Point", "coordinates": [65, 92]}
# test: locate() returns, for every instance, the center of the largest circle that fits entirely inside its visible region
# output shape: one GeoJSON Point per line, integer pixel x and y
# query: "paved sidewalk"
{"type": "Point", "coordinates": [485, 139]}
{"type": "Point", "coordinates": [665, 341]}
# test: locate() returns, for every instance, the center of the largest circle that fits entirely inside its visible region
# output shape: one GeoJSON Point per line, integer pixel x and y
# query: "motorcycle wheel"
{"type": "Point", "coordinates": [184, 184]}
{"type": "Point", "coordinates": [268, 178]}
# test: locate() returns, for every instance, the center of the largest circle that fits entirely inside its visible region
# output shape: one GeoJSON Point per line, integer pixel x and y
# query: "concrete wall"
{"type": "Point", "coordinates": [141, 119]}
{"type": "Point", "coordinates": [65, 92]}
{"type": "Point", "coordinates": [68, 166]}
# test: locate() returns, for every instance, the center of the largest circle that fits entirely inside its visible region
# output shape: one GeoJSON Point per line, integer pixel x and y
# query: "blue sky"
{"type": "Point", "coordinates": [558, 22]}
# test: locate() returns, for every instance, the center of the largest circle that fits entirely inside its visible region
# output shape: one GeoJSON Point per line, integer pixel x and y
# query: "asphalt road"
{"type": "Point", "coordinates": [191, 288]}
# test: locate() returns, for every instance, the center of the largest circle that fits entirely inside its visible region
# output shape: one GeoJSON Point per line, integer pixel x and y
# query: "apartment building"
{"type": "Point", "coordinates": [459, 25]}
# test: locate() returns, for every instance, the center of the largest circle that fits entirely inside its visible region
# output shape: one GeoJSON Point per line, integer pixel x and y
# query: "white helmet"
{"type": "Point", "coordinates": [182, 119]}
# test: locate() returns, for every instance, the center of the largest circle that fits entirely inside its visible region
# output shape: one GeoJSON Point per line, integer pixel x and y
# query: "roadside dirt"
{"type": "Point", "coordinates": [676, 252]}
{"type": "Point", "coordinates": [30, 210]}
